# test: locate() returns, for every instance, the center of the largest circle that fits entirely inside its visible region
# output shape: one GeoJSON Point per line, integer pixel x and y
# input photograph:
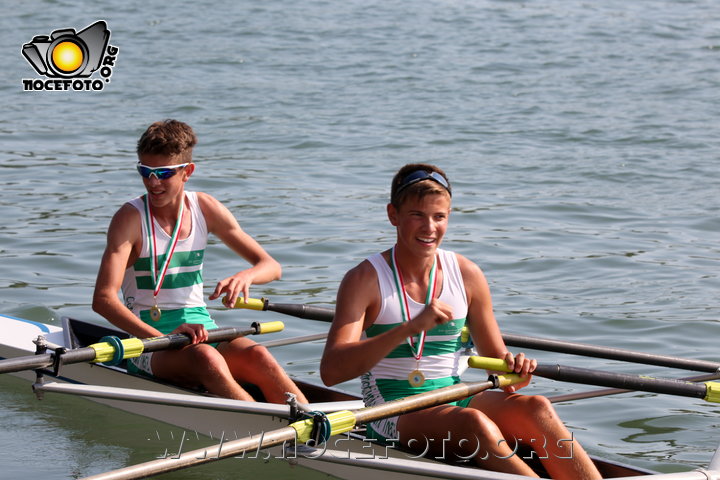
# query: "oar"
{"type": "Point", "coordinates": [300, 310]}
{"type": "Point", "coordinates": [597, 351]}
{"type": "Point", "coordinates": [326, 314]}
{"type": "Point", "coordinates": [281, 342]}
{"type": "Point", "coordinates": [111, 350]}
{"type": "Point", "coordinates": [302, 431]}
{"type": "Point", "coordinates": [567, 397]}
{"type": "Point", "coordinates": [708, 391]}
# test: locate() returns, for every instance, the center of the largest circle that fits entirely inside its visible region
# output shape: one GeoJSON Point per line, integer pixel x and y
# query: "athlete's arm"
{"type": "Point", "coordinates": [483, 325]}
{"type": "Point", "coordinates": [122, 249]}
{"type": "Point", "coordinates": [221, 222]}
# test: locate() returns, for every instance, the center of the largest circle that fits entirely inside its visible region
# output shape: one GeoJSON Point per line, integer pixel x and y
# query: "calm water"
{"type": "Point", "coordinates": [581, 138]}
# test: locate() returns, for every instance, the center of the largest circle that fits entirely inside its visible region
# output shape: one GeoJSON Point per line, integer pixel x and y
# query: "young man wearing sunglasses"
{"type": "Point", "coordinates": [154, 254]}
{"type": "Point", "coordinates": [397, 325]}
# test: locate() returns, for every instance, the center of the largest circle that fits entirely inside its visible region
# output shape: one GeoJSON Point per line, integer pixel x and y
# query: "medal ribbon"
{"type": "Point", "coordinates": [405, 306]}
{"type": "Point", "coordinates": [159, 277]}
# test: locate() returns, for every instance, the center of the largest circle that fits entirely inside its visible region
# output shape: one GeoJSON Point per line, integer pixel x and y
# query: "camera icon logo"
{"type": "Point", "coordinates": [66, 53]}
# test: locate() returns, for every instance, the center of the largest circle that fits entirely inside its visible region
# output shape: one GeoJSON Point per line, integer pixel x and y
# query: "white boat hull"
{"type": "Point", "coordinates": [349, 457]}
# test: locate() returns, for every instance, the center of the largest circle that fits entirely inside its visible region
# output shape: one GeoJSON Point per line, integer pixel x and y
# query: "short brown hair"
{"type": "Point", "coordinates": [402, 186]}
{"type": "Point", "coordinates": [168, 137]}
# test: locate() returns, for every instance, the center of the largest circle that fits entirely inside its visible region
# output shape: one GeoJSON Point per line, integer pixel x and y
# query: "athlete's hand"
{"type": "Point", "coordinates": [435, 313]}
{"type": "Point", "coordinates": [521, 365]}
{"type": "Point", "coordinates": [233, 287]}
{"type": "Point", "coordinates": [196, 332]}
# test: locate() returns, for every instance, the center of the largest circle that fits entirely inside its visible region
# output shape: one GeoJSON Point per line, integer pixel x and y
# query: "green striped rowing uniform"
{"type": "Point", "coordinates": [182, 286]}
{"type": "Point", "coordinates": [181, 296]}
{"type": "Point", "coordinates": [440, 361]}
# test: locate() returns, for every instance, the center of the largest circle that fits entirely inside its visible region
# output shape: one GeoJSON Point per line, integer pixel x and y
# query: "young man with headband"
{"type": "Point", "coordinates": [398, 319]}
{"type": "Point", "coordinates": [154, 253]}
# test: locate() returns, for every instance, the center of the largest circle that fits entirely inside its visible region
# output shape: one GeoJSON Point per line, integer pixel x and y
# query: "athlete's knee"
{"type": "Point", "coordinates": [476, 422]}
{"type": "Point", "coordinates": [541, 414]}
{"type": "Point", "coordinates": [259, 355]}
{"type": "Point", "coordinates": [540, 405]}
{"type": "Point", "coordinates": [204, 356]}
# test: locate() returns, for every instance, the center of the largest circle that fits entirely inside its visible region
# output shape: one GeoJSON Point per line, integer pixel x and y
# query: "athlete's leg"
{"type": "Point", "coordinates": [195, 365]}
{"type": "Point", "coordinates": [459, 433]}
{"type": "Point", "coordinates": [253, 363]}
{"type": "Point", "coordinates": [533, 419]}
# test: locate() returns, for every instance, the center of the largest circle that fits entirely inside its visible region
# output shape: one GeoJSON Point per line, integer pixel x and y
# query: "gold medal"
{"type": "Point", "coordinates": [155, 313]}
{"type": "Point", "coordinates": [416, 378]}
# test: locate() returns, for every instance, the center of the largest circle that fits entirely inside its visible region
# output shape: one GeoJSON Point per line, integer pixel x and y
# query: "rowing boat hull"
{"type": "Point", "coordinates": [350, 457]}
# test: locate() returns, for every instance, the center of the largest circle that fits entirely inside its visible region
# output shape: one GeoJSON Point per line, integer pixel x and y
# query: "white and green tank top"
{"type": "Point", "coordinates": [440, 363]}
{"type": "Point", "coordinates": [182, 288]}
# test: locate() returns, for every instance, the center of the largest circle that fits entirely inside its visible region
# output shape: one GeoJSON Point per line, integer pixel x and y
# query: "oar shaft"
{"type": "Point", "coordinates": [326, 314]}
{"type": "Point", "coordinates": [707, 391]}
{"type": "Point", "coordinates": [294, 340]}
{"type": "Point", "coordinates": [179, 340]}
{"type": "Point", "coordinates": [299, 310]}
{"type": "Point", "coordinates": [103, 351]}
{"type": "Point", "coordinates": [34, 362]}
{"type": "Point", "coordinates": [567, 397]}
{"type": "Point", "coordinates": [621, 380]}
{"type": "Point", "coordinates": [26, 363]}
{"type": "Point", "coordinates": [311, 312]}
{"type": "Point", "coordinates": [597, 351]}
{"type": "Point", "coordinates": [200, 456]}
{"type": "Point", "coordinates": [423, 400]}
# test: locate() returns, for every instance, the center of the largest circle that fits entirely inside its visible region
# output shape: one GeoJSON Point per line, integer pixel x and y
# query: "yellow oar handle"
{"type": "Point", "coordinates": [111, 350]}
{"type": "Point", "coordinates": [464, 334]}
{"type": "Point", "coordinates": [713, 392]}
{"type": "Point", "coordinates": [251, 304]}
{"type": "Point", "coordinates": [114, 349]}
{"type": "Point", "coordinates": [487, 363]}
{"type": "Point", "coordinates": [270, 327]}
{"type": "Point", "coordinates": [509, 379]}
{"type": "Point", "coordinates": [337, 422]}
